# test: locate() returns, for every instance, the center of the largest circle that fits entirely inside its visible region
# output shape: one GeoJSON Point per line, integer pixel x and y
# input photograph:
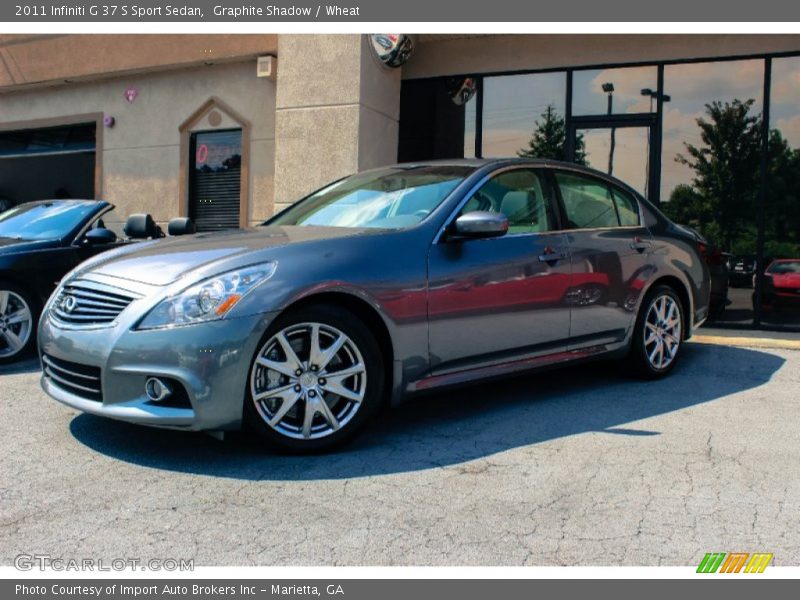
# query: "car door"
{"type": "Point", "coordinates": [609, 251]}
{"type": "Point", "coordinates": [494, 300]}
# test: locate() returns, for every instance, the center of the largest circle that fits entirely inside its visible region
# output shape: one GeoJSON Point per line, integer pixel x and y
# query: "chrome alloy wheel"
{"type": "Point", "coordinates": [308, 381]}
{"type": "Point", "coordinates": [16, 323]}
{"type": "Point", "coordinates": [662, 331]}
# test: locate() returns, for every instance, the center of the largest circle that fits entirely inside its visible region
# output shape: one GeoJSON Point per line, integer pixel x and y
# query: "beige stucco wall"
{"type": "Point", "coordinates": [438, 55]}
{"type": "Point", "coordinates": [140, 154]}
{"type": "Point", "coordinates": [337, 112]}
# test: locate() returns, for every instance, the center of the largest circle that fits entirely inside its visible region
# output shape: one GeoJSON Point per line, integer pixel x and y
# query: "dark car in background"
{"type": "Point", "coordinates": [42, 241]}
{"type": "Point", "coordinates": [386, 283]}
{"type": "Point", "coordinates": [742, 270]}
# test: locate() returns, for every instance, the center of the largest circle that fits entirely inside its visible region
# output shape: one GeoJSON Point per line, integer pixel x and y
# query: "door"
{"type": "Point", "coordinates": [499, 299]}
{"type": "Point", "coordinates": [215, 179]}
{"type": "Point", "coordinates": [609, 249]}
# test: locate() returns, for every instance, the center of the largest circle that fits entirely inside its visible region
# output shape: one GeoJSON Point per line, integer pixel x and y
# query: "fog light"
{"type": "Point", "coordinates": [156, 389]}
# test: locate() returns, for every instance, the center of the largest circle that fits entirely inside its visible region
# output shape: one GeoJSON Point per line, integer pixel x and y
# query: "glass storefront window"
{"type": "Point", "coordinates": [591, 90]}
{"type": "Point", "coordinates": [470, 116]}
{"type": "Point", "coordinates": [627, 159]}
{"type": "Point", "coordinates": [711, 152]}
{"type": "Point", "coordinates": [517, 107]}
{"type": "Point", "coordinates": [781, 282]}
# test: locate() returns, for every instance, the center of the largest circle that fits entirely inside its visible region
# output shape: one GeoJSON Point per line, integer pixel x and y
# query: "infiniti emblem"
{"type": "Point", "coordinates": [69, 304]}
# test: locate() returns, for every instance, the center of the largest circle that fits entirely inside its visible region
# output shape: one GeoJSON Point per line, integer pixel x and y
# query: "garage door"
{"type": "Point", "coordinates": [52, 162]}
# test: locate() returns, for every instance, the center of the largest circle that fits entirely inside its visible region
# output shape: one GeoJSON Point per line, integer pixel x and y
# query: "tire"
{"type": "Point", "coordinates": [644, 359]}
{"type": "Point", "coordinates": [19, 316]}
{"type": "Point", "coordinates": [281, 387]}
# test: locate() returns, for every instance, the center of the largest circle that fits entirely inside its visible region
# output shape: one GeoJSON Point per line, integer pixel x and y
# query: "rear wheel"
{"type": "Point", "coordinates": [18, 317]}
{"type": "Point", "coordinates": [315, 381]}
{"type": "Point", "coordinates": [658, 335]}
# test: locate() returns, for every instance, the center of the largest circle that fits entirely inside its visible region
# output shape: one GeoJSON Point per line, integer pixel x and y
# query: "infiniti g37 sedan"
{"type": "Point", "coordinates": [382, 284]}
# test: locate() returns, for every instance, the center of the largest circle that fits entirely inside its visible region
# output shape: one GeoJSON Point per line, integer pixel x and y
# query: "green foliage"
{"type": "Point", "coordinates": [549, 139]}
{"type": "Point", "coordinates": [722, 200]}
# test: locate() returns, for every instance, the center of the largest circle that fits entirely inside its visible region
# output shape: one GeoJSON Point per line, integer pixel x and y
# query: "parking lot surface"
{"type": "Point", "coordinates": [571, 467]}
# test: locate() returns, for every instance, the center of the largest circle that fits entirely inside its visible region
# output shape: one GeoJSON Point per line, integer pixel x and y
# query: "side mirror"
{"type": "Point", "coordinates": [481, 224]}
{"type": "Point", "coordinates": [99, 236]}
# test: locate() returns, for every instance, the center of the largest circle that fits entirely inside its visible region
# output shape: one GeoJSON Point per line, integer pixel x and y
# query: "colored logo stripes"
{"type": "Point", "coordinates": [734, 562]}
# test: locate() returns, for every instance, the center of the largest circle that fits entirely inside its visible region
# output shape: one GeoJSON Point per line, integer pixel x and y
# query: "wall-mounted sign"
{"type": "Point", "coordinates": [201, 156]}
{"type": "Point", "coordinates": [461, 89]}
{"type": "Point", "coordinates": [130, 94]}
{"type": "Point", "coordinates": [392, 49]}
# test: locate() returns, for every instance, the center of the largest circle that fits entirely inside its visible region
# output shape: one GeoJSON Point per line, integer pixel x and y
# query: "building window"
{"type": "Point", "coordinates": [432, 125]}
{"type": "Point", "coordinates": [780, 299]}
{"type": "Point", "coordinates": [523, 115]}
{"type": "Point", "coordinates": [613, 91]}
{"type": "Point", "coordinates": [215, 179]}
{"type": "Point", "coordinates": [710, 178]}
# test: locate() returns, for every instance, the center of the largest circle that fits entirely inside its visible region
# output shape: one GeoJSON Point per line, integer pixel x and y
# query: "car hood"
{"type": "Point", "coordinates": [164, 261]}
{"type": "Point", "coordinates": [15, 246]}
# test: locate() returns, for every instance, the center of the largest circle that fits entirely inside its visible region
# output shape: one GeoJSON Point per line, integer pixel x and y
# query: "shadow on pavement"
{"type": "Point", "coordinates": [29, 365]}
{"type": "Point", "coordinates": [455, 426]}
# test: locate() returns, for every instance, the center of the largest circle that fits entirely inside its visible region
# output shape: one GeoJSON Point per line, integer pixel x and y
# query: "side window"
{"type": "Point", "coordinates": [521, 195]}
{"type": "Point", "coordinates": [627, 208]}
{"type": "Point", "coordinates": [591, 203]}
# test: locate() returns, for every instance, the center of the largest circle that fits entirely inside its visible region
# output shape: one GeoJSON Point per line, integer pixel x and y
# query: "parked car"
{"type": "Point", "coordinates": [719, 264]}
{"type": "Point", "coordinates": [40, 242]}
{"type": "Point", "coordinates": [781, 285]}
{"type": "Point", "coordinates": [383, 284]}
{"type": "Point", "coordinates": [744, 267]}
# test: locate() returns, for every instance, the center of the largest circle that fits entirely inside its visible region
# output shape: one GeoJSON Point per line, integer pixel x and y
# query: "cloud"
{"type": "Point", "coordinates": [790, 128]}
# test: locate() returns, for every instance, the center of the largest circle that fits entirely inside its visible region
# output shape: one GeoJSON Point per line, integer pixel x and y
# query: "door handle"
{"type": "Point", "coordinates": [551, 256]}
{"type": "Point", "coordinates": [640, 245]}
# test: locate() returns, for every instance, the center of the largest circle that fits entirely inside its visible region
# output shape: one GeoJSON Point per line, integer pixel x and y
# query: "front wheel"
{"type": "Point", "coordinates": [315, 381]}
{"type": "Point", "coordinates": [18, 317]}
{"type": "Point", "coordinates": [658, 335]}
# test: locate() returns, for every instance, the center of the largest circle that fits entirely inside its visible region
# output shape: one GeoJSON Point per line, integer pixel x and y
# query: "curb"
{"type": "Point", "coordinates": [749, 342]}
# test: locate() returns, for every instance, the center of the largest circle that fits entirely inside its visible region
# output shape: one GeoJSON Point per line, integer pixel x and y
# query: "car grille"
{"type": "Point", "coordinates": [80, 380]}
{"type": "Point", "coordinates": [81, 305]}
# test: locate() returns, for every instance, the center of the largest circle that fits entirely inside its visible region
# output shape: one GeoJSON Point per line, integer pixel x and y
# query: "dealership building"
{"type": "Point", "coordinates": [228, 129]}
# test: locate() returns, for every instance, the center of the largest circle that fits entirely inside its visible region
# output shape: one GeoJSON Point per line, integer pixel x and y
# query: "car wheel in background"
{"type": "Point", "coordinates": [315, 381]}
{"type": "Point", "coordinates": [658, 335]}
{"type": "Point", "coordinates": [18, 318]}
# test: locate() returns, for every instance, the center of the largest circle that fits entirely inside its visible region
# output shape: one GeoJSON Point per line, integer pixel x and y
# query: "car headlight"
{"type": "Point", "coordinates": [208, 300]}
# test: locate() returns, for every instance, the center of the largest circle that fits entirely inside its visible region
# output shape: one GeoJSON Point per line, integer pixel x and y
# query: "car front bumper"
{"type": "Point", "coordinates": [209, 360]}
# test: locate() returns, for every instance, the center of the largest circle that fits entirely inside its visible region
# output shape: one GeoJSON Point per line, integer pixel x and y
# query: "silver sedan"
{"type": "Point", "coordinates": [387, 283]}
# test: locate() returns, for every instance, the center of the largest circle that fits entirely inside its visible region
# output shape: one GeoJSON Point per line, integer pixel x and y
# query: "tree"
{"type": "Point", "coordinates": [726, 168]}
{"type": "Point", "coordinates": [722, 201]}
{"type": "Point", "coordinates": [549, 139]}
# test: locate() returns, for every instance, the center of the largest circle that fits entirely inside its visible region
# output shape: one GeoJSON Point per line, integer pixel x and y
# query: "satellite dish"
{"type": "Point", "coordinates": [392, 49]}
{"type": "Point", "coordinates": [461, 89]}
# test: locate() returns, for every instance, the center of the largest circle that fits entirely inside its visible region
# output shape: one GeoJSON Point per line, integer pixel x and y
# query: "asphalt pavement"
{"type": "Point", "coordinates": [571, 467]}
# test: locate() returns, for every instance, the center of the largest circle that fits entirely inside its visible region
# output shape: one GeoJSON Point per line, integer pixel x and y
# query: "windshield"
{"type": "Point", "coordinates": [390, 198]}
{"type": "Point", "coordinates": [44, 220]}
{"type": "Point", "coordinates": [784, 268]}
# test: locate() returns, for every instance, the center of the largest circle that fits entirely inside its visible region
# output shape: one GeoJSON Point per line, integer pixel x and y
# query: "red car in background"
{"type": "Point", "coordinates": [781, 284]}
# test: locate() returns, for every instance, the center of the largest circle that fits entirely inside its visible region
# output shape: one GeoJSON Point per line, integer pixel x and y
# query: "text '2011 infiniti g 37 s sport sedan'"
{"type": "Point", "coordinates": [382, 284]}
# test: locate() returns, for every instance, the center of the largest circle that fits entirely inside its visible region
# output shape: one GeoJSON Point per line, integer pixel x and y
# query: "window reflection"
{"type": "Point", "coordinates": [781, 282]}
{"type": "Point", "coordinates": [515, 107]}
{"type": "Point", "coordinates": [711, 153]}
{"type": "Point", "coordinates": [591, 90]}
